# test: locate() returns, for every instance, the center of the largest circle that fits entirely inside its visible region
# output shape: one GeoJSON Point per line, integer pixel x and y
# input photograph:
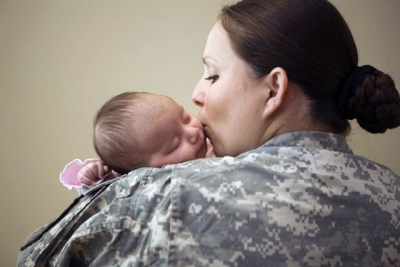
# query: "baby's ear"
{"type": "Point", "coordinates": [276, 84]}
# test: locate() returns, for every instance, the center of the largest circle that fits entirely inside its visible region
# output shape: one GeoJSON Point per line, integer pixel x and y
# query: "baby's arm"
{"type": "Point", "coordinates": [81, 175]}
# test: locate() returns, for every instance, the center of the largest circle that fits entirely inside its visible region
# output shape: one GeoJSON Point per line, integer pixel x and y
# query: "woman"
{"type": "Point", "coordinates": [281, 80]}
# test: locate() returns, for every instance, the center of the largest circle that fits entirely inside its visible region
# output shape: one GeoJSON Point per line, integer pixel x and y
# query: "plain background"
{"type": "Point", "coordinates": [60, 60]}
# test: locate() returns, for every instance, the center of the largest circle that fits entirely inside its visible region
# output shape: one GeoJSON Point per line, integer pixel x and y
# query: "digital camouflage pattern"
{"type": "Point", "coordinates": [301, 199]}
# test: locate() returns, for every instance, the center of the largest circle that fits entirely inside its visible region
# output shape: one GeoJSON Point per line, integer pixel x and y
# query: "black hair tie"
{"type": "Point", "coordinates": [354, 80]}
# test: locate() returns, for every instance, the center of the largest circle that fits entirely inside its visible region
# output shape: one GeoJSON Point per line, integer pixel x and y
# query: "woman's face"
{"type": "Point", "coordinates": [230, 98]}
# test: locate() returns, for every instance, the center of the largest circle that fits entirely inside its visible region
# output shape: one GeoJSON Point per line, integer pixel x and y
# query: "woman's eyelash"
{"type": "Point", "coordinates": [213, 78]}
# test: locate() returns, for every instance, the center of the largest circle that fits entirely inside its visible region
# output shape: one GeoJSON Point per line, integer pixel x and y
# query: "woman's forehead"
{"type": "Point", "coordinates": [217, 41]}
{"type": "Point", "coordinates": [218, 50]}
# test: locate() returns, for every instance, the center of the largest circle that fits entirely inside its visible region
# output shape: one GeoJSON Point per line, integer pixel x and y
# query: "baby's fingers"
{"type": "Point", "coordinates": [84, 179]}
{"type": "Point", "coordinates": [90, 174]}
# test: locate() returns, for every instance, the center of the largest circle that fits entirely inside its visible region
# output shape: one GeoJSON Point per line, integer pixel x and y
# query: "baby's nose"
{"type": "Point", "coordinates": [193, 135]}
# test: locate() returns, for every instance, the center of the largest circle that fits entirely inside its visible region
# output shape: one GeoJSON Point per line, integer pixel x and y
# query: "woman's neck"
{"type": "Point", "coordinates": [293, 115]}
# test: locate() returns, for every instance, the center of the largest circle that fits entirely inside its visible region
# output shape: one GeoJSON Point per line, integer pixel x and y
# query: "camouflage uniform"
{"type": "Point", "coordinates": [301, 199]}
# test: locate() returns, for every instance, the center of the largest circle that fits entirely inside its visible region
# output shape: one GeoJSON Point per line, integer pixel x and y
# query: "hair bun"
{"type": "Point", "coordinates": [375, 103]}
{"type": "Point", "coordinates": [353, 81]}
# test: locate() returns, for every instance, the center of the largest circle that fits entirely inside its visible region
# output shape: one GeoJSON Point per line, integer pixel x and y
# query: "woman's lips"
{"type": "Point", "coordinates": [205, 129]}
{"type": "Point", "coordinates": [202, 150]}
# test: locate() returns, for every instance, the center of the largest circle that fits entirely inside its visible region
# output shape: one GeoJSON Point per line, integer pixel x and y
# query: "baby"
{"type": "Point", "coordinates": [138, 129]}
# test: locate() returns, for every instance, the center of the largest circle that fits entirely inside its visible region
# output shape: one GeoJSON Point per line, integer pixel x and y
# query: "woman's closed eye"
{"type": "Point", "coordinates": [213, 78]}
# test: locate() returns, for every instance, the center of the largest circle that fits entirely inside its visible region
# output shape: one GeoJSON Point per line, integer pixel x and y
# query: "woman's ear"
{"type": "Point", "coordinates": [276, 82]}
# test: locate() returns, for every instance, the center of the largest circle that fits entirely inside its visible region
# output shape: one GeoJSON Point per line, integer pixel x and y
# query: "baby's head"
{"type": "Point", "coordinates": [137, 129]}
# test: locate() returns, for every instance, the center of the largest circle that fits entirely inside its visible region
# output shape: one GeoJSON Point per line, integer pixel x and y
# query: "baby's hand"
{"type": "Point", "coordinates": [92, 172]}
{"type": "Point", "coordinates": [210, 150]}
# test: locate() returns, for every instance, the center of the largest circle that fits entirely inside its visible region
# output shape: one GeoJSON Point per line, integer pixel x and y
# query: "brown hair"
{"type": "Point", "coordinates": [311, 41]}
{"type": "Point", "coordinates": [118, 127]}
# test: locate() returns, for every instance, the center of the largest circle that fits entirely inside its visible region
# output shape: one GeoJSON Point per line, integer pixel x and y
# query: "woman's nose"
{"type": "Point", "coordinates": [198, 95]}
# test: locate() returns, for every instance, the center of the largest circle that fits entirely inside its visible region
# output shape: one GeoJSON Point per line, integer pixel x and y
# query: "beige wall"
{"type": "Point", "coordinates": [60, 60]}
